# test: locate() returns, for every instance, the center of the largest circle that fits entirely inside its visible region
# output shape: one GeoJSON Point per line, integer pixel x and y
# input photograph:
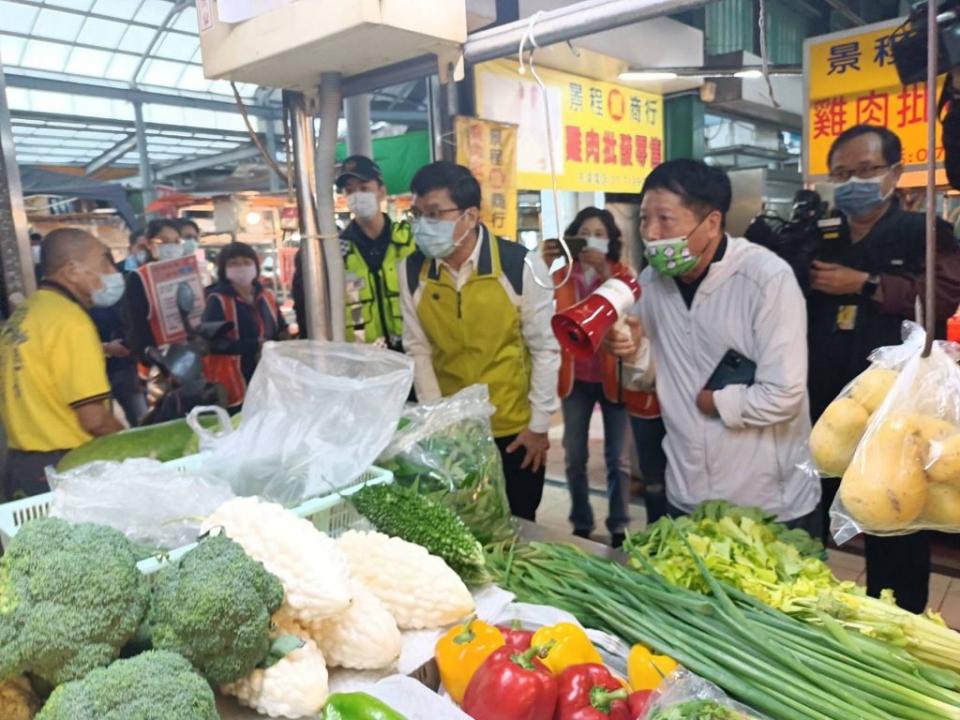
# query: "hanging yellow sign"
{"type": "Point", "coordinates": [851, 80]}
{"type": "Point", "coordinates": [489, 149]}
{"type": "Point", "coordinates": [604, 137]}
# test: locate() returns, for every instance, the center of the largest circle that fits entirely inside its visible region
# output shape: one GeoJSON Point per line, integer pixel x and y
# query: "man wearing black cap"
{"type": "Point", "coordinates": [372, 246]}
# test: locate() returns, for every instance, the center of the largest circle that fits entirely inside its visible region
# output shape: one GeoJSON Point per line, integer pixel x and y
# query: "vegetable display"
{"type": "Point", "coordinates": [365, 636]}
{"type": "Point", "coordinates": [565, 644]}
{"type": "Point", "coordinates": [70, 597]}
{"type": "Point", "coordinates": [135, 688]}
{"type": "Point", "coordinates": [776, 664]}
{"type": "Point", "coordinates": [590, 692]}
{"type": "Point", "coordinates": [402, 512]}
{"type": "Point", "coordinates": [697, 710]}
{"type": "Point", "coordinates": [358, 706]}
{"type": "Point", "coordinates": [512, 686]}
{"type": "Point", "coordinates": [783, 569]}
{"type": "Point", "coordinates": [462, 650]}
{"type": "Point", "coordinates": [17, 700]}
{"type": "Point", "coordinates": [219, 588]}
{"type": "Point", "coordinates": [645, 671]}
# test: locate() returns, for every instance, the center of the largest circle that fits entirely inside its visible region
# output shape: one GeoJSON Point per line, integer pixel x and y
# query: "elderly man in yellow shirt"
{"type": "Point", "coordinates": [54, 392]}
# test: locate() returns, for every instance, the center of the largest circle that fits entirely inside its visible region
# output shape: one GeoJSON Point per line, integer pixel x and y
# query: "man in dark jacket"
{"type": "Point", "coordinates": [858, 302]}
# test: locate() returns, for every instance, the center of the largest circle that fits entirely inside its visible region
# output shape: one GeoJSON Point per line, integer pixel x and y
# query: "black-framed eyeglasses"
{"type": "Point", "coordinates": [863, 172]}
{"type": "Point", "coordinates": [435, 214]}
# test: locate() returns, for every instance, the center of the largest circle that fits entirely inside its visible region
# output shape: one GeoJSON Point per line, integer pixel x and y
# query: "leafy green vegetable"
{"type": "Point", "coordinates": [403, 513]}
{"type": "Point", "coordinates": [70, 597]}
{"type": "Point", "coordinates": [214, 608]}
{"type": "Point", "coordinates": [153, 685]}
{"type": "Point", "coordinates": [697, 710]}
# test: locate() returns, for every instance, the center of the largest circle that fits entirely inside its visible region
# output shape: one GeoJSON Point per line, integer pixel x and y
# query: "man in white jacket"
{"type": "Point", "coordinates": [706, 294]}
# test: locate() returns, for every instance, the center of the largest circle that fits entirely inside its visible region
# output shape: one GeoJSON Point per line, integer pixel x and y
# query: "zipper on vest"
{"type": "Point", "coordinates": [459, 306]}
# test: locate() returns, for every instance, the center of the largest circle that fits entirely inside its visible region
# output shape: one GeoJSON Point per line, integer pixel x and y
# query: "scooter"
{"type": "Point", "coordinates": [182, 382]}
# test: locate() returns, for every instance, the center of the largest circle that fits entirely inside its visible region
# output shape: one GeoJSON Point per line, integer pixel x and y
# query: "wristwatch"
{"type": "Point", "coordinates": [870, 287]}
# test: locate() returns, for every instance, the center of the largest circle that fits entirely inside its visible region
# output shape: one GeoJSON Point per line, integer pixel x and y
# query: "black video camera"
{"type": "Point", "coordinates": [909, 41]}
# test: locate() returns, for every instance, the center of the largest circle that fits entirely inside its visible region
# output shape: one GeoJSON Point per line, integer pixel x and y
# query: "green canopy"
{"type": "Point", "coordinates": [399, 157]}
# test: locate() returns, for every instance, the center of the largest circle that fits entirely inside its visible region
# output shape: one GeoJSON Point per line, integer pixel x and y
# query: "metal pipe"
{"type": "Point", "coordinates": [434, 118]}
{"type": "Point", "coordinates": [567, 23]}
{"type": "Point", "coordinates": [312, 265]}
{"type": "Point", "coordinates": [161, 29]}
{"type": "Point", "coordinates": [143, 157]}
{"type": "Point", "coordinates": [931, 255]}
{"type": "Point", "coordinates": [356, 110]}
{"type": "Point", "coordinates": [330, 102]}
{"type": "Point", "coordinates": [270, 134]}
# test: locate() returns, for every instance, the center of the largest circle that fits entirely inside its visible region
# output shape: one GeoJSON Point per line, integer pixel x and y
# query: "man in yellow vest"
{"type": "Point", "coordinates": [372, 247]}
{"type": "Point", "coordinates": [473, 313]}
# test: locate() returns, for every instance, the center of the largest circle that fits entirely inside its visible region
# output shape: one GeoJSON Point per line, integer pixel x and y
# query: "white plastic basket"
{"type": "Point", "coordinates": [332, 514]}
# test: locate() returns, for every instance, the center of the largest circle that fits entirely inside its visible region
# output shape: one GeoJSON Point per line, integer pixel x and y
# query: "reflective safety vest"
{"type": "Point", "coordinates": [373, 298]}
{"type": "Point", "coordinates": [225, 369]}
{"type": "Point", "coordinates": [475, 333]}
{"type": "Point", "coordinates": [638, 404]}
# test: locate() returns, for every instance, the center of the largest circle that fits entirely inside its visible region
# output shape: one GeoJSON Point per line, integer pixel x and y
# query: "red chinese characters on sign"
{"type": "Point", "coordinates": [626, 149]}
{"type": "Point", "coordinates": [912, 105]}
{"type": "Point", "coordinates": [640, 146]}
{"type": "Point", "coordinates": [592, 149]}
{"type": "Point", "coordinates": [574, 144]}
{"type": "Point", "coordinates": [873, 109]}
{"type": "Point", "coordinates": [829, 117]}
{"type": "Point", "coordinates": [656, 152]}
{"type": "Point", "coordinates": [609, 148]}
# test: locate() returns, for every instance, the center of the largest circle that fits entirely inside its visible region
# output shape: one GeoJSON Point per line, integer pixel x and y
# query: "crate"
{"type": "Point", "coordinates": [332, 514]}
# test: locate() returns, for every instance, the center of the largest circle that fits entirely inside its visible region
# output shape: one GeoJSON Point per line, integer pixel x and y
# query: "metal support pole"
{"type": "Point", "coordinates": [314, 277]}
{"type": "Point", "coordinates": [449, 108]}
{"type": "Point", "coordinates": [146, 182]}
{"type": "Point", "coordinates": [270, 133]}
{"type": "Point", "coordinates": [330, 102]}
{"type": "Point", "coordinates": [434, 118]}
{"type": "Point", "coordinates": [931, 255]}
{"type": "Point", "coordinates": [15, 259]}
{"type": "Point", "coordinates": [356, 109]}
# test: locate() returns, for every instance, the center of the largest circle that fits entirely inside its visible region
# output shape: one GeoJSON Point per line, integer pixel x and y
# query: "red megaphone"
{"type": "Point", "coordinates": [582, 327]}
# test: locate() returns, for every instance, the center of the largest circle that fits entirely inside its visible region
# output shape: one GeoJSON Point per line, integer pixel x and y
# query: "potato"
{"type": "Point", "coordinates": [943, 506]}
{"type": "Point", "coordinates": [871, 387]}
{"type": "Point", "coordinates": [885, 487]}
{"type": "Point", "coordinates": [836, 435]}
{"type": "Point", "coordinates": [934, 429]}
{"type": "Point", "coordinates": [946, 465]}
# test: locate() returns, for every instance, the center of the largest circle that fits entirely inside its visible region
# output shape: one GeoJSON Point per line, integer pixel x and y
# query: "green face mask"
{"type": "Point", "coordinates": [672, 256]}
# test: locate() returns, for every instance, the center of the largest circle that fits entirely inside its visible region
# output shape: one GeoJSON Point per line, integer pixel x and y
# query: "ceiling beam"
{"type": "Point", "coordinates": [229, 157]}
{"type": "Point", "coordinates": [841, 7]}
{"type": "Point", "coordinates": [111, 155]}
{"type": "Point", "coordinates": [70, 87]}
{"type": "Point", "coordinates": [69, 122]}
{"type": "Point", "coordinates": [99, 16]}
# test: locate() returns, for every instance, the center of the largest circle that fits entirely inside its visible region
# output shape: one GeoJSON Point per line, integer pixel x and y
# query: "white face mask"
{"type": "Point", "coordinates": [169, 251]}
{"type": "Point", "coordinates": [110, 291]}
{"type": "Point", "coordinates": [365, 205]}
{"type": "Point", "coordinates": [596, 242]}
{"type": "Point", "coordinates": [190, 247]}
{"type": "Point", "coordinates": [435, 237]}
{"type": "Point", "coordinates": [242, 274]}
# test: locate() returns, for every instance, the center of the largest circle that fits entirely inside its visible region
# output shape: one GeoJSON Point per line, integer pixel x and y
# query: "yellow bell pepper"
{"type": "Point", "coordinates": [645, 670]}
{"type": "Point", "coordinates": [567, 644]}
{"type": "Point", "coordinates": [462, 650]}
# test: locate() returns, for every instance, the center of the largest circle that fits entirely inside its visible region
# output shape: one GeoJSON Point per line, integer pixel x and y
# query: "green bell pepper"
{"type": "Point", "coordinates": [357, 706]}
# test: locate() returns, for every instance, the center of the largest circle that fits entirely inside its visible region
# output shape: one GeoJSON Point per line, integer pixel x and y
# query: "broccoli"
{"type": "Point", "coordinates": [156, 685]}
{"type": "Point", "coordinates": [214, 608]}
{"type": "Point", "coordinates": [70, 597]}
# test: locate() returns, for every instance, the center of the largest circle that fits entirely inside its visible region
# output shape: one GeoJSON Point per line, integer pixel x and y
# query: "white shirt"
{"type": "Point", "coordinates": [536, 311]}
{"type": "Point", "coordinates": [750, 302]}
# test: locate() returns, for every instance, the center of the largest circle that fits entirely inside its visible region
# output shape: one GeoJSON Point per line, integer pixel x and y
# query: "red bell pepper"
{"type": "Point", "coordinates": [516, 637]}
{"type": "Point", "coordinates": [511, 685]}
{"type": "Point", "coordinates": [638, 702]}
{"type": "Point", "coordinates": [590, 692]}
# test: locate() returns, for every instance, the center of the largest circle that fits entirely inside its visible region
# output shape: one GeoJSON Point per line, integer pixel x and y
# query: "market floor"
{"type": "Point", "coordinates": [555, 508]}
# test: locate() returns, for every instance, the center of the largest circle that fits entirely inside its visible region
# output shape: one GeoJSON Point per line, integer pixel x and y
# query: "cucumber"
{"type": "Point", "coordinates": [163, 442]}
{"type": "Point", "coordinates": [404, 513]}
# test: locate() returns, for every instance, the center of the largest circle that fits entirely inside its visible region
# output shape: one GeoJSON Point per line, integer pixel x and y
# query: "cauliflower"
{"type": "Point", "coordinates": [70, 597]}
{"type": "Point", "coordinates": [363, 637]}
{"type": "Point", "coordinates": [214, 608]}
{"type": "Point", "coordinates": [419, 589]}
{"type": "Point", "coordinates": [17, 700]}
{"type": "Point", "coordinates": [295, 687]}
{"type": "Point", "coordinates": [311, 569]}
{"type": "Point", "coordinates": [154, 684]}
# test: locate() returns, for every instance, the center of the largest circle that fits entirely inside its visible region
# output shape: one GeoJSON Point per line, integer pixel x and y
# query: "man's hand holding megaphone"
{"type": "Point", "coordinates": [623, 340]}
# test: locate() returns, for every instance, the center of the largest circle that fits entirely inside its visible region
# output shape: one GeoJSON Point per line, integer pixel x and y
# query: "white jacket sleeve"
{"type": "Point", "coordinates": [416, 344]}
{"type": "Point", "coordinates": [780, 342]}
{"type": "Point", "coordinates": [536, 312]}
{"type": "Point", "coordinates": [639, 372]}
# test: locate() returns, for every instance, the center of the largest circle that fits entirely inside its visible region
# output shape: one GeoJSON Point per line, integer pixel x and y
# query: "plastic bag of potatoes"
{"type": "Point", "coordinates": [904, 474]}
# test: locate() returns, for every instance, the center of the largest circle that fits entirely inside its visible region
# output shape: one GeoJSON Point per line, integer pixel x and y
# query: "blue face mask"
{"type": "Point", "coordinates": [435, 237]}
{"type": "Point", "coordinates": [110, 291]}
{"type": "Point", "coordinates": [859, 196]}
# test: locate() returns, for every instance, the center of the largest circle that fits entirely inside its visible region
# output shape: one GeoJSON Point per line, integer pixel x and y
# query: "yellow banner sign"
{"type": "Point", "coordinates": [851, 80]}
{"type": "Point", "coordinates": [489, 149]}
{"type": "Point", "coordinates": [604, 137]}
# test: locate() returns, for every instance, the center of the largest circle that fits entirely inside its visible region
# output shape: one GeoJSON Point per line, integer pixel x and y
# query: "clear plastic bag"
{"type": "Point", "coordinates": [315, 417]}
{"type": "Point", "coordinates": [446, 450]}
{"type": "Point", "coordinates": [152, 503]}
{"type": "Point", "coordinates": [840, 428]}
{"type": "Point", "coordinates": [686, 696]}
{"type": "Point", "coordinates": [905, 473]}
